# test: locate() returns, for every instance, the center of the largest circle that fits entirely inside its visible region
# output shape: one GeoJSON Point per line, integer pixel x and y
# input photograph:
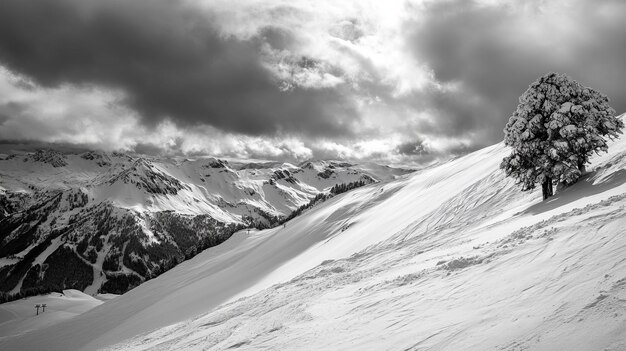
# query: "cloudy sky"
{"type": "Point", "coordinates": [389, 81]}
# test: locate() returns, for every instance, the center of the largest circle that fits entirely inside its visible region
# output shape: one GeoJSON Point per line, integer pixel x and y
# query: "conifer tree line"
{"type": "Point", "coordinates": [343, 187]}
{"type": "Point", "coordinates": [34, 291]}
{"type": "Point", "coordinates": [321, 197]}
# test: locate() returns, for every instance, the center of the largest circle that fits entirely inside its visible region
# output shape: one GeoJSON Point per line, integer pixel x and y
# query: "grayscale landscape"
{"type": "Point", "coordinates": [328, 175]}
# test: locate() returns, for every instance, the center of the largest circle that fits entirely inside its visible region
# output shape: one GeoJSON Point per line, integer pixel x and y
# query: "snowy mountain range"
{"type": "Point", "coordinates": [105, 222]}
{"type": "Point", "coordinates": [451, 257]}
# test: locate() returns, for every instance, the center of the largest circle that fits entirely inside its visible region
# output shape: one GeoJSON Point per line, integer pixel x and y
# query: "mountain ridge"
{"type": "Point", "coordinates": [129, 218]}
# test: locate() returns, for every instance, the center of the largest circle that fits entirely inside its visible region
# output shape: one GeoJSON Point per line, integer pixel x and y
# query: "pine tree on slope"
{"type": "Point", "coordinates": [557, 126]}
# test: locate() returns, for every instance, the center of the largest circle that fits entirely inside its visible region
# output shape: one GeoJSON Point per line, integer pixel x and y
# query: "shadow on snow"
{"type": "Point", "coordinates": [585, 187]}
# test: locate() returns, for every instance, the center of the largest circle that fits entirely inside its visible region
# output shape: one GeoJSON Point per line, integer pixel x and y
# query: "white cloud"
{"type": "Point", "coordinates": [67, 114]}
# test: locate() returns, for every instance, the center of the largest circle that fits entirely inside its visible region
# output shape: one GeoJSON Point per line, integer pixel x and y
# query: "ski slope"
{"type": "Point", "coordinates": [453, 257]}
{"type": "Point", "coordinates": [20, 317]}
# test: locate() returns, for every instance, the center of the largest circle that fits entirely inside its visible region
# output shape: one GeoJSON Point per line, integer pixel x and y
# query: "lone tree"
{"type": "Point", "coordinates": [557, 126]}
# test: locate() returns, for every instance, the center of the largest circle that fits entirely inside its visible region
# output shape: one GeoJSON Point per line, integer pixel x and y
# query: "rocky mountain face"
{"type": "Point", "coordinates": [106, 222]}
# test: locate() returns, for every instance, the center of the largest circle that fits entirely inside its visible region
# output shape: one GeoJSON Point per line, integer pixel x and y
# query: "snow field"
{"type": "Point", "coordinates": [454, 257]}
{"type": "Point", "coordinates": [19, 317]}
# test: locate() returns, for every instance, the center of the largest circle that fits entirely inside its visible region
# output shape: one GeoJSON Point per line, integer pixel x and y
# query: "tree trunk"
{"type": "Point", "coordinates": [546, 188]}
{"type": "Point", "coordinates": [550, 190]}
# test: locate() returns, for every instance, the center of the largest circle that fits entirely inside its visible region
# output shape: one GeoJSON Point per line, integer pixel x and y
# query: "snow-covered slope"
{"type": "Point", "coordinates": [106, 222]}
{"type": "Point", "coordinates": [453, 257]}
{"type": "Point", "coordinates": [20, 317]}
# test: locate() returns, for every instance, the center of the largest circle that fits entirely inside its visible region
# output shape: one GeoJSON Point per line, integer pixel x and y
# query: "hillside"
{"type": "Point", "coordinates": [106, 222]}
{"type": "Point", "coordinates": [20, 317]}
{"type": "Point", "coordinates": [452, 257]}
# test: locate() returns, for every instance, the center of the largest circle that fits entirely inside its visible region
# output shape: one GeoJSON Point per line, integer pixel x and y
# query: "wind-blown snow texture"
{"type": "Point", "coordinates": [100, 222]}
{"type": "Point", "coordinates": [454, 257]}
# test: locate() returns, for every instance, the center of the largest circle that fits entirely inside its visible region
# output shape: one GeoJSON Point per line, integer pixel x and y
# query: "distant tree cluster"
{"type": "Point", "coordinates": [321, 197]}
{"type": "Point", "coordinates": [264, 220]}
{"type": "Point", "coordinates": [342, 188]}
{"type": "Point", "coordinates": [39, 290]}
{"type": "Point", "coordinates": [555, 129]}
{"type": "Point", "coordinates": [119, 283]}
{"type": "Point", "coordinates": [62, 268]}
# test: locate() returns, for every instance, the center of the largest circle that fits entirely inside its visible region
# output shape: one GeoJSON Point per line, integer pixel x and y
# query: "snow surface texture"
{"type": "Point", "coordinates": [454, 257]}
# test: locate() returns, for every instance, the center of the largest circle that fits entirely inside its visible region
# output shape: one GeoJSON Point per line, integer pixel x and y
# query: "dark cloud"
{"type": "Point", "coordinates": [170, 62]}
{"type": "Point", "coordinates": [9, 146]}
{"type": "Point", "coordinates": [148, 149]}
{"type": "Point", "coordinates": [291, 73]}
{"type": "Point", "coordinates": [3, 118]}
{"type": "Point", "coordinates": [492, 54]}
{"type": "Point", "coordinates": [278, 38]}
{"type": "Point", "coordinates": [412, 148]}
{"type": "Point", "coordinates": [457, 113]}
{"type": "Point", "coordinates": [10, 110]}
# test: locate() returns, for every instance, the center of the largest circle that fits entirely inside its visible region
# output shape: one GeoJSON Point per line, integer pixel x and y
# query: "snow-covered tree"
{"type": "Point", "coordinates": [557, 126]}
